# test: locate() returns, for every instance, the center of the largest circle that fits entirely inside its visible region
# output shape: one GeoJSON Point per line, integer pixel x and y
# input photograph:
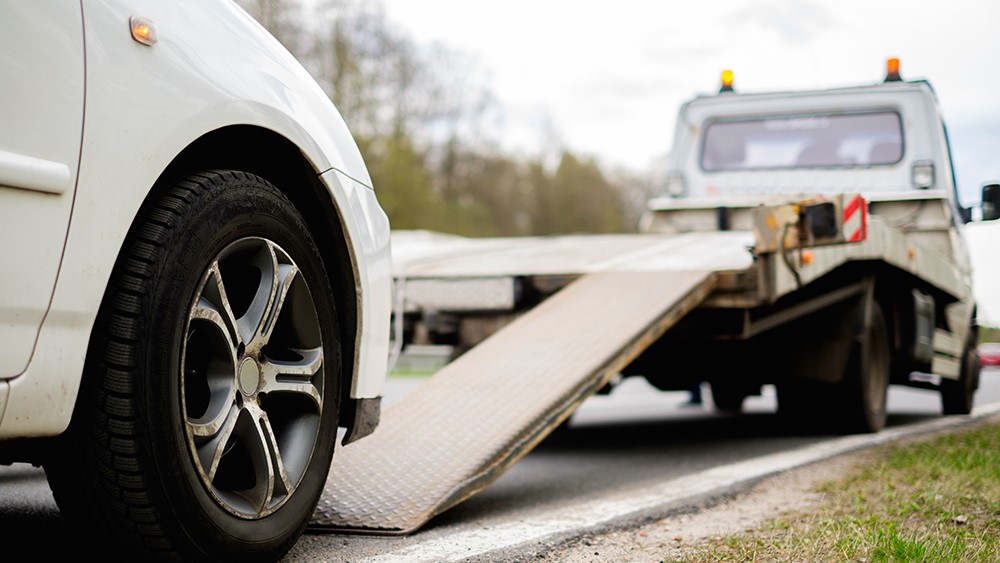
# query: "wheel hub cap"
{"type": "Point", "coordinates": [249, 377]}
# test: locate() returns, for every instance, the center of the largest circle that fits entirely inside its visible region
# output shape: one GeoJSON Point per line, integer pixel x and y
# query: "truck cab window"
{"type": "Point", "coordinates": [803, 141]}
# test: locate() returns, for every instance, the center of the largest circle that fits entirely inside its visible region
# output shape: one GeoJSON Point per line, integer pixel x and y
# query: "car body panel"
{"type": "Point", "coordinates": [144, 106]}
{"type": "Point", "coordinates": [373, 351]}
{"type": "Point", "coordinates": [42, 70]}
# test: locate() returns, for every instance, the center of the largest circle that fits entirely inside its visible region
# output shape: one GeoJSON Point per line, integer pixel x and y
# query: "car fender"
{"type": "Point", "coordinates": [144, 106]}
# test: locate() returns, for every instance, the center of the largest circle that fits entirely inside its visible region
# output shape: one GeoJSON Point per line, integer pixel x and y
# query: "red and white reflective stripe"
{"type": "Point", "coordinates": [855, 218]}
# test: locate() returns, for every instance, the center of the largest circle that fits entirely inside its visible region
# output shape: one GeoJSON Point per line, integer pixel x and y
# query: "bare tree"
{"type": "Point", "coordinates": [425, 117]}
{"type": "Point", "coordinates": [283, 18]}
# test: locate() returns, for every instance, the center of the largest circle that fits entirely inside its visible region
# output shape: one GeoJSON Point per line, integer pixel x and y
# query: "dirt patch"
{"type": "Point", "coordinates": [675, 537]}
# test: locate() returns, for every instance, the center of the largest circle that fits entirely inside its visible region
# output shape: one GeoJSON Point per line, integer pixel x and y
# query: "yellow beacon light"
{"type": "Point", "coordinates": [892, 70]}
{"type": "Point", "coordinates": [727, 81]}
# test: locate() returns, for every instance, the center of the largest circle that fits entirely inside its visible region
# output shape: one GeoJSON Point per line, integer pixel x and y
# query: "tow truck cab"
{"type": "Point", "coordinates": [879, 139]}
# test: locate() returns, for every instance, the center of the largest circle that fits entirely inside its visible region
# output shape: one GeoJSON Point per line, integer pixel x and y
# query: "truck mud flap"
{"type": "Point", "coordinates": [462, 428]}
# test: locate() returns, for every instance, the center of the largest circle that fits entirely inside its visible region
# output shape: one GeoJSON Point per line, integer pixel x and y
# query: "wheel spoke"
{"type": "Point", "coordinates": [286, 275]}
{"type": "Point", "coordinates": [266, 460]}
{"type": "Point", "coordinates": [285, 376]}
{"type": "Point", "coordinates": [209, 362]}
{"type": "Point", "coordinates": [214, 302]}
{"type": "Point", "coordinates": [220, 424]}
{"type": "Point", "coordinates": [218, 431]}
{"type": "Point", "coordinates": [276, 277]}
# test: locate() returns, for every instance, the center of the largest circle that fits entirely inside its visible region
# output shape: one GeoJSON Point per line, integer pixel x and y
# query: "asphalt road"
{"type": "Point", "coordinates": [633, 439]}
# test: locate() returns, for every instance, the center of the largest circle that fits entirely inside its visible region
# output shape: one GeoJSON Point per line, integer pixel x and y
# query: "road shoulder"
{"type": "Point", "coordinates": [680, 535]}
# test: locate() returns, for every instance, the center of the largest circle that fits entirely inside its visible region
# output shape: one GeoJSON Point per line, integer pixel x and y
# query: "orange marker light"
{"type": "Point", "coordinates": [892, 70]}
{"type": "Point", "coordinates": [727, 81]}
{"type": "Point", "coordinates": [808, 257]}
{"type": "Point", "coordinates": [143, 30]}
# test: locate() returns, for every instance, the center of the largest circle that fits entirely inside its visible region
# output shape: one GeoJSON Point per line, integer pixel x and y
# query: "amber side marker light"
{"type": "Point", "coordinates": [727, 81]}
{"type": "Point", "coordinates": [143, 30]}
{"type": "Point", "coordinates": [892, 70]}
{"type": "Point", "coordinates": [808, 257]}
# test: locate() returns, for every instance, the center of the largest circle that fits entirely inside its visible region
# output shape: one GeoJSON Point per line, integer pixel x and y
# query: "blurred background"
{"type": "Point", "coordinates": [534, 117]}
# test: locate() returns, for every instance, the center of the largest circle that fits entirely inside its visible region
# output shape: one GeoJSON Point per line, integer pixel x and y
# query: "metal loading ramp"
{"type": "Point", "coordinates": [461, 429]}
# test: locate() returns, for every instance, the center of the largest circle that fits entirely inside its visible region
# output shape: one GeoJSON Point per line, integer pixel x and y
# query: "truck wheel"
{"type": "Point", "coordinates": [862, 392]}
{"type": "Point", "coordinates": [957, 394]}
{"type": "Point", "coordinates": [207, 416]}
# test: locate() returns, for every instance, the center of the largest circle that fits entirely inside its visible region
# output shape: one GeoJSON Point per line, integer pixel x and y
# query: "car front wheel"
{"type": "Point", "coordinates": [207, 416]}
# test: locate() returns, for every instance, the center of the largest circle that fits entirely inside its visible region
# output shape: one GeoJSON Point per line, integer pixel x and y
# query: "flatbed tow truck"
{"type": "Point", "coordinates": [806, 240]}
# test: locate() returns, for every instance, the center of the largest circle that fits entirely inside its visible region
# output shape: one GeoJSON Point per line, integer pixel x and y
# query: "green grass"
{"type": "Point", "coordinates": [989, 334]}
{"type": "Point", "coordinates": [935, 500]}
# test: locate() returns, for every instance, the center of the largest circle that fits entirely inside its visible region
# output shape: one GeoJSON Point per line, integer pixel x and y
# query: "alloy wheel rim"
{"type": "Point", "coordinates": [252, 378]}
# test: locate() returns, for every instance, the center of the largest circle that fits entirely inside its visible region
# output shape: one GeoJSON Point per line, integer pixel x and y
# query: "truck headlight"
{"type": "Point", "coordinates": [675, 185]}
{"type": "Point", "coordinates": [922, 174]}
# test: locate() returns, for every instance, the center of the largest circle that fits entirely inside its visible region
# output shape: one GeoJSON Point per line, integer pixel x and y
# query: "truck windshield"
{"type": "Point", "coordinates": [803, 141]}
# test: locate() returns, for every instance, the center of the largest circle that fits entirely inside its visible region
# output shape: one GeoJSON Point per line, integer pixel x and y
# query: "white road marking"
{"type": "Point", "coordinates": [621, 506]}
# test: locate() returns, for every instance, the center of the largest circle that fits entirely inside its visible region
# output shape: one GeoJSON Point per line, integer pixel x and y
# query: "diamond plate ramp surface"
{"type": "Point", "coordinates": [461, 429]}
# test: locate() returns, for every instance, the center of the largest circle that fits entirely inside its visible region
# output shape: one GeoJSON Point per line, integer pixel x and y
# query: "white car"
{"type": "Point", "coordinates": [195, 291]}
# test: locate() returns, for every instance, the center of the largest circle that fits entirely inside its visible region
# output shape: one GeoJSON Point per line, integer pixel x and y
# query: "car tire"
{"type": "Point", "coordinates": [957, 395]}
{"type": "Point", "coordinates": [208, 412]}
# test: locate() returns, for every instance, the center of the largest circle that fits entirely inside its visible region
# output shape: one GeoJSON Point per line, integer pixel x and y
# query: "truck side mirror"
{"type": "Point", "coordinates": [991, 202]}
{"type": "Point", "coordinates": [966, 214]}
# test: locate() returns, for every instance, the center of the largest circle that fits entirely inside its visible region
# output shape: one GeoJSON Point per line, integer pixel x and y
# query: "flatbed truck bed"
{"type": "Point", "coordinates": [568, 314]}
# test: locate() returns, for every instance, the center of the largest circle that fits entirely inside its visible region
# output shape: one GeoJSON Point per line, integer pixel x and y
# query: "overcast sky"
{"type": "Point", "coordinates": [608, 77]}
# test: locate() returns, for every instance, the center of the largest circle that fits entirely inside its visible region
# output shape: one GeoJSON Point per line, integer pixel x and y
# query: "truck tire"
{"type": "Point", "coordinates": [957, 394]}
{"type": "Point", "coordinates": [208, 413]}
{"type": "Point", "coordinates": [861, 395]}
